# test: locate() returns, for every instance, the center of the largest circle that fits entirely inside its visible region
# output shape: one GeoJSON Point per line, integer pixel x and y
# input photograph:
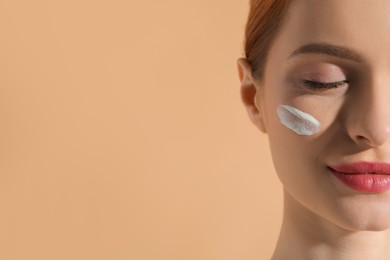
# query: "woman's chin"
{"type": "Point", "coordinates": [368, 226]}
{"type": "Point", "coordinates": [365, 218]}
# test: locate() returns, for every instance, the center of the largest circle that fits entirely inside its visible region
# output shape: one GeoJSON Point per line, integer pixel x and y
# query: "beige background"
{"type": "Point", "coordinates": [123, 135]}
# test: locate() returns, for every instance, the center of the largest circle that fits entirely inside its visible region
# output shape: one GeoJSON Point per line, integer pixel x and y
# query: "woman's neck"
{"type": "Point", "coordinates": [305, 235]}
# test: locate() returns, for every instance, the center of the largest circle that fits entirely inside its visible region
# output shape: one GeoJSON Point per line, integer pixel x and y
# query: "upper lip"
{"type": "Point", "coordinates": [362, 168]}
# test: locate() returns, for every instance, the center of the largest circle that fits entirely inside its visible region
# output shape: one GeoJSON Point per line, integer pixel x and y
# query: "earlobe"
{"type": "Point", "coordinates": [249, 94]}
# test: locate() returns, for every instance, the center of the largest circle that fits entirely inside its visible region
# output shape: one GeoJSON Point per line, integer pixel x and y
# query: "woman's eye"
{"type": "Point", "coordinates": [321, 85]}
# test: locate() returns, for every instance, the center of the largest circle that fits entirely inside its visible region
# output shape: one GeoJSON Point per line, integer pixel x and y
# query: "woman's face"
{"type": "Point", "coordinates": [354, 116]}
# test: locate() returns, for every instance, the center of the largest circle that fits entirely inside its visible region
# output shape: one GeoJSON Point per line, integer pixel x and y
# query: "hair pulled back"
{"type": "Point", "coordinates": [264, 20]}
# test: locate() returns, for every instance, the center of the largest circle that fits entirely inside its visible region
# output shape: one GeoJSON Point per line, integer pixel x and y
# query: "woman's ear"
{"type": "Point", "coordinates": [249, 95]}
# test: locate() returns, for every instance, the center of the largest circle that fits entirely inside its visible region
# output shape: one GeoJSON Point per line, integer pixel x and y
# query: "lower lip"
{"type": "Point", "coordinates": [372, 183]}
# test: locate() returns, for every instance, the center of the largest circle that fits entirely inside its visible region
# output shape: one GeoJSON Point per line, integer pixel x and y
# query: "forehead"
{"type": "Point", "coordinates": [362, 25]}
{"type": "Point", "coordinates": [337, 15]}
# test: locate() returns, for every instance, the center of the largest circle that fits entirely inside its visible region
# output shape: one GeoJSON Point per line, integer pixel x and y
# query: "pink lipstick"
{"type": "Point", "coordinates": [371, 177]}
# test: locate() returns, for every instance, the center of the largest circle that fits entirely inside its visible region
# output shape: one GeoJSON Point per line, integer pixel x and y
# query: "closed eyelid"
{"type": "Point", "coordinates": [323, 73]}
{"type": "Point", "coordinates": [315, 85]}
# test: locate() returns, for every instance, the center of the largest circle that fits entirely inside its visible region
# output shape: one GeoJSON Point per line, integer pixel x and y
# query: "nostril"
{"type": "Point", "coordinates": [361, 138]}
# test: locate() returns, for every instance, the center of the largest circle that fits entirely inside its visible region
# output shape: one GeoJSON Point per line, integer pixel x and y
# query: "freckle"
{"type": "Point", "coordinates": [298, 121]}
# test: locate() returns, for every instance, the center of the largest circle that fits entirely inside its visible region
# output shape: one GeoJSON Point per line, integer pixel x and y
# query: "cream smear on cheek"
{"type": "Point", "coordinates": [297, 120]}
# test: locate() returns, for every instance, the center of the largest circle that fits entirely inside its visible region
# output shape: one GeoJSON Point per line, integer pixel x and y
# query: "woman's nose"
{"type": "Point", "coordinates": [368, 116]}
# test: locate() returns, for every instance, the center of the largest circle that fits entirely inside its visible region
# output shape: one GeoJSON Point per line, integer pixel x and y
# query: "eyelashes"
{"type": "Point", "coordinates": [316, 85]}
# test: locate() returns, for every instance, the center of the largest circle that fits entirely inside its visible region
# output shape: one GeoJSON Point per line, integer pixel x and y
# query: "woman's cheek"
{"type": "Point", "coordinates": [300, 122]}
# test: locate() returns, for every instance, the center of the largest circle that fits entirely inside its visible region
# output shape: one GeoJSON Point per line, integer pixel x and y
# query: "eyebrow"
{"type": "Point", "coordinates": [328, 49]}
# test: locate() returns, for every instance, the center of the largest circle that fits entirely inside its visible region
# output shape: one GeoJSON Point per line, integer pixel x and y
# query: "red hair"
{"type": "Point", "coordinates": [264, 20]}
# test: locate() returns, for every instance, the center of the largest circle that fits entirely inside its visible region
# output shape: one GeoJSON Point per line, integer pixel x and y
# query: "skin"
{"type": "Point", "coordinates": [323, 218]}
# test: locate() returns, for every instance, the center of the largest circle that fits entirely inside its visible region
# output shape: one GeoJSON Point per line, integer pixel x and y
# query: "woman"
{"type": "Point", "coordinates": [316, 79]}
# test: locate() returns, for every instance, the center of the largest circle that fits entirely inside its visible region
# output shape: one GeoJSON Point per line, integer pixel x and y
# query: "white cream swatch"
{"type": "Point", "coordinates": [298, 121]}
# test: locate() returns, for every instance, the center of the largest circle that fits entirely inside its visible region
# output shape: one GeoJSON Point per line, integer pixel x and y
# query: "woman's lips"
{"type": "Point", "coordinates": [363, 176]}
